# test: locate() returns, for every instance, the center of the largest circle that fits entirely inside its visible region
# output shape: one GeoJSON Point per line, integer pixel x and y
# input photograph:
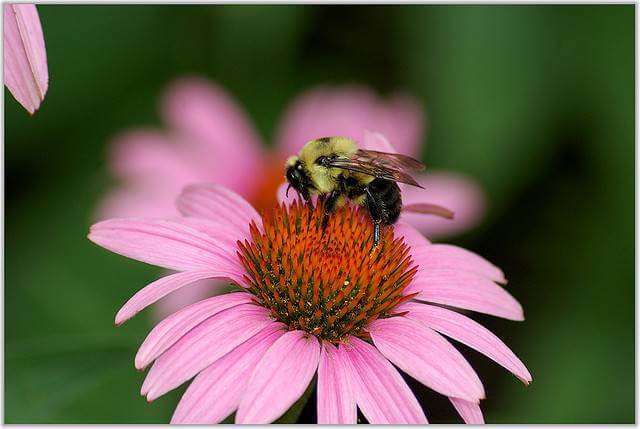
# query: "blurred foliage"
{"type": "Point", "coordinates": [536, 102]}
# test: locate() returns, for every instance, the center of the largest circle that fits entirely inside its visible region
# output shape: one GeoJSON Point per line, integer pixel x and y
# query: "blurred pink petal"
{"type": "Point", "coordinates": [406, 123]}
{"type": "Point", "coordinates": [216, 392]}
{"type": "Point", "coordinates": [348, 111]}
{"type": "Point", "coordinates": [469, 332]}
{"type": "Point", "coordinates": [202, 346]}
{"type": "Point", "coordinates": [25, 57]}
{"type": "Point", "coordinates": [280, 378]}
{"type": "Point", "coordinates": [426, 356]}
{"type": "Point", "coordinates": [453, 191]}
{"type": "Point", "coordinates": [155, 165]}
{"type": "Point", "coordinates": [149, 155]}
{"type": "Point", "coordinates": [469, 411]}
{"type": "Point", "coordinates": [381, 393]}
{"type": "Point", "coordinates": [153, 169]}
{"type": "Point", "coordinates": [464, 289]}
{"type": "Point", "coordinates": [429, 209]}
{"type": "Point", "coordinates": [453, 257]}
{"type": "Point", "coordinates": [213, 126]}
{"type": "Point", "coordinates": [217, 202]}
{"type": "Point", "coordinates": [336, 400]}
{"type": "Point", "coordinates": [171, 329]}
{"type": "Point", "coordinates": [141, 201]}
{"type": "Point", "coordinates": [165, 243]}
{"type": "Point", "coordinates": [161, 287]}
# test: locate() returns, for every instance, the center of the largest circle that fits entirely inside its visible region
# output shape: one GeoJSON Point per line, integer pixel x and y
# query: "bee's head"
{"type": "Point", "coordinates": [297, 177]}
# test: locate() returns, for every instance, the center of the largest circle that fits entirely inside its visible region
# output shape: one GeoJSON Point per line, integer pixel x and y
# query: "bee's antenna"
{"type": "Point", "coordinates": [287, 193]}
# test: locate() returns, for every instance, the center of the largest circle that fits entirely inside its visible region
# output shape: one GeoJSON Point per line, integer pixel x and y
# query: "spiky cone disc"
{"type": "Point", "coordinates": [330, 283]}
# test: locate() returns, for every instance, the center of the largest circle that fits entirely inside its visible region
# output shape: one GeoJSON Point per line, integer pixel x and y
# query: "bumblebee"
{"type": "Point", "coordinates": [336, 169]}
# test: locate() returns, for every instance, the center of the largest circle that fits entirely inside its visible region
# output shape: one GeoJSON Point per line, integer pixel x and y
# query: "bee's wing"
{"type": "Point", "coordinates": [369, 162]}
{"type": "Point", "coordinates": [397, 160]}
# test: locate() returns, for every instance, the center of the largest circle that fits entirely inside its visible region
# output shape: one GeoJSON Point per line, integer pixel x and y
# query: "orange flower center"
{"type": "Point", "coordinates": [330, 283]}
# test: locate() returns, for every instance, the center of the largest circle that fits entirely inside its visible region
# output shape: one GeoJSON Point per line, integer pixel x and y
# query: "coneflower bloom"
{"type": "Point", "coordinates": [309, 301]}
{"type": "Point", "coordinates": [202, 119]}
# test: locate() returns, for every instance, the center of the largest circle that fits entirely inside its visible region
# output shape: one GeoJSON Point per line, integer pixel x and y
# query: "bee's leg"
{"type": "Point", "coordinates": [376, 215]}
{"type": "Point", "coordinates": [306, 196]}
{"type": "Point", "coordinates": [330, 205]}
{"type": "Point", "coordinates": [376, 234]}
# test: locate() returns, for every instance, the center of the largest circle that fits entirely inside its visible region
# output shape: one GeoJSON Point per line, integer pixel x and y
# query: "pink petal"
{"type": "Point", "coordinates": [214, 127]}
{"type": "Point", "coordinates": [469, 411]}
{"type": "Point", "coordinates": [336, 400]}
{"type": "Point", "coordinates": [165, 244]}
{"type": "Point", "coordinates": [408, 119]}
{"type": "Point", "coordinates": [137, 201]}
{"type": "Point", "coordinates": [197, 291]}
{"type": "Point", "coordinates": [25, 57]}
{"type": "Point", "coordinates": [225, 233]}
{"type": "Point", "coordinates": [464, 289]}
{"type": "Point", "coordinates": [202, 346]}
{"type": "Point", "coordinates": [469, 332]}
{"type": "Point", "coordinates": [216, 392]}
{"type": "Point", "coordinates": [412, 237]}
{"type": "Point", "coordinates": [456, 192]}
{"type": "Point", "coordinates": [206, 112]}
{"type": "Point", "coordinates": [426, 356]}
{"type": "Point", "coordinates": [446, 256]}
{"type": "Point", "coordinates": [174, 327]}
{"type": "Point", "coordinates": [348, 111]}
{"type": "Point", "coordinates": [218, 203]}
{"type": "Point", "coordinates": [381, 393]}
{"type": "Point", "coordinates": [280, 378]}
{"type": "Point", "coordinates": [162, 287]}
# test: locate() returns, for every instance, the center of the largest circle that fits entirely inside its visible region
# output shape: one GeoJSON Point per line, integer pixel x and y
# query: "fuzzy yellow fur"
{"type": "Point", "coordinates": [324, 179]}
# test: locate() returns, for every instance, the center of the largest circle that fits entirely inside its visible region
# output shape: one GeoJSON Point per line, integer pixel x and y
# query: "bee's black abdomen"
{"type": "Point", "coordinates": [384, 201]}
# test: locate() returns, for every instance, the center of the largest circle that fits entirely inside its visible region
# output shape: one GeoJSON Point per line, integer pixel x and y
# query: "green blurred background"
{"type": "Point", "coordinates": [535, 102]}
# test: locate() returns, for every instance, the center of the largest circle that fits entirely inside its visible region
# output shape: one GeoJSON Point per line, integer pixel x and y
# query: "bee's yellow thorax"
{"type": "Point", "coordinates": [324, 179]}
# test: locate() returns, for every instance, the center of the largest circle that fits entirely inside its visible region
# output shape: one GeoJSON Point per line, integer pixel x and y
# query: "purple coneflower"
{"type": "Point", "coordinates": [309, 301]}
{"type": "Point", "coordinates": [201, 118]}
